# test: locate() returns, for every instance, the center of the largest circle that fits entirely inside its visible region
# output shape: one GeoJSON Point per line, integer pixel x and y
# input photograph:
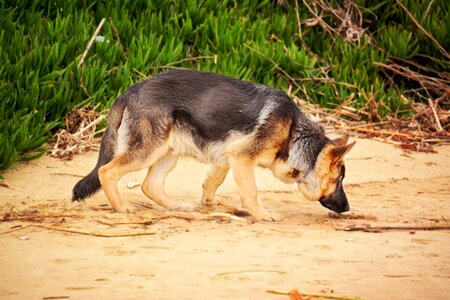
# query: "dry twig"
{"type": "Point", "coordinates": [426, 33]}
{"type": "Point", "coordinates": [320, 296]}
{"type": "Point", "coordinates": [83, 57]}
{"type": "Point", "coordinates": [116, 34]}
{"type": "Point", "coordinates": [182, 216]}
{"type": "Point", "coordinates": [35, 218]}
{"type": "Point", "coordinates": [80, 232]}
{"type": "Point", "coordinates": [416, 133]}
{"type": "Point", "coordinates": [78, 136]}
{"type": "Point", "coordinates": [376, 229]}
{"type": "Point", "coordinates": [436, 117]}
{"type": "Point", "coordinates": [3, 183]}
{"type": "Point", "coordinates": [345, 21]}
{"type": "Point", "coordinates": [172, 64]}
{"type": "Point", "coordinates": [91, 41]}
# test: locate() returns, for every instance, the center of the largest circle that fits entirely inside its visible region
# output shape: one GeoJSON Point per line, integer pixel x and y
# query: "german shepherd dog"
{"type": "Point", "coordinates": [228, 123]}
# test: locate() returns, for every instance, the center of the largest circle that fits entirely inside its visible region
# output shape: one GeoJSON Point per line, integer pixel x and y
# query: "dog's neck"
{"type": "Point", "coordinates": [307, 141]}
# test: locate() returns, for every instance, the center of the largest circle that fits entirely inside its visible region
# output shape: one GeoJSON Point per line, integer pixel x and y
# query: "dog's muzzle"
{"type": "Point", "coordinates": [337, 202]}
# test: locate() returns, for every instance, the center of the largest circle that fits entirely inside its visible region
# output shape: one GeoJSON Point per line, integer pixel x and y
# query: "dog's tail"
{"type": "Point", "coordinates": [91, 183]}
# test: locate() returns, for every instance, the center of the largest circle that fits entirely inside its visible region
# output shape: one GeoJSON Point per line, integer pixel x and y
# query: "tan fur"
{"type": "Point", "coordinates": [341, 141]}
{"type": "Point", "coordinates": [321, 180]}
{"type": "Point", "coordinates": [112, 172]}
{"type": "Point", "coordinates": [153, 184]}
{"type": "Point", "coordinates": [110, 175]}
{"type": "Point", "coordinates": [283, 171]}
{"type": "Point", "coordinates": [214, 179]}
{"type": "Point", "coordinates": [244, 156]}
{"type": "Point", "coordinates": [240, 153]}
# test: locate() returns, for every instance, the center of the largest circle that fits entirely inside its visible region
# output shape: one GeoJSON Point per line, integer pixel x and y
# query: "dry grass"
{"type": "Point", "coordinates": [428, 126]}
{"type": "Point", "coordinates": [78, 134]}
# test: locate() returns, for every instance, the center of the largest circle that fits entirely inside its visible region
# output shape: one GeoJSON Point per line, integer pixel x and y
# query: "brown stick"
{"type": "Point", "coordinates": [116, 34]}
{"type": "Point", "coordinates": [37, 217]}
{"type": "Point", "coordinates": [66, 174]}
{"type": "Point", "coordinates": [436, 117]}
{"type": "Point", "coordinates": [441, 49]}
{"type": "Point", "coordinates": [319, 19]}
{"type": "Point", "coordinates": [438, 83]}
{"type": "Point", "coordinates": [81, 63]}
{"type": "Point", "coordinates": [81, 232]}
{"type": "Point", "coordinates": [91, 41]}
{"type": "Point", "coordinates": [300, 35]}
{"type": "Point", "coordinates": [370, 228]}
{"type": "Point", "coordinates": [321, 296]}
{"type": "Point", "coordinates": [185, 217]}
{"type": "Point", "coordinates": [171, 65]}
{"type": "Point", "coordinates": [382, 132]}
{"type": "Point", "coordinates": [3, 183]}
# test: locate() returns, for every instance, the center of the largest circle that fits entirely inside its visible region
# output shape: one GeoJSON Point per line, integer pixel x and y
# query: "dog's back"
{"type": "Point", "coordinates": [214, 104]}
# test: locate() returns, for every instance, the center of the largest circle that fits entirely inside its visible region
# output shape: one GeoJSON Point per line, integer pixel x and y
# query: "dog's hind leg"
{"type": "Point", "coordinates": [111, 173]}
{"type": "Point", "coordinates": [214, 179]}
{"type": "Point", "coordinates": [153, 184]}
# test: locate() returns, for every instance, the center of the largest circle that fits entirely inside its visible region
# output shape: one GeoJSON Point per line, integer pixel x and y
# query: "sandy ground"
{"type": "Point", "coordinates": [220, 258]}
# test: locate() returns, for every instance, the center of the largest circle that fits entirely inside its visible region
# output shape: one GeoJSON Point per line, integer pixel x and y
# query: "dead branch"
{"type": "Point", "coordinates": [436, 117]}
{"type": "Point", "coordinates": [186, 216]}
{"type": "Point", "coordinates": [7, 216]}
{"type": "Point", "coordinates": [191, 59]}
{"type": "Point", "coordinates": [66, 174]}
{"type": "Point", "coordinates": [80, 232]}
{"type": "Point", "coordinates": [351, 216]}
{"type": "Point", "coordinates": [320, 296]}
{"type": "Point", "coordinates": [300, 35]}
{"type": "Point", "coordinates": [344, 21]}
{"type": "Point", "coordinates": [116, 34]}
{"type": "Point", "coordinates": [78, 136]}
{"type": "Point", "coordinates": [416, 133]}
{"type": "Point", "coordinates": [35, 218]}
{"type": "Point", "coordinates": [438, 83]}
{"type": "Point", "coordinates": [5, 184]}
{"type": "Point", "coordinates": [370, 228]}
{"type": "Point", "coordinates": [426, 33]}
{"type": "Point", "coordinates": [83, 57]}
{"type": "Point", "coordinates": [91, 41]}
{"type": "Point", "coordinates": [383, 132]}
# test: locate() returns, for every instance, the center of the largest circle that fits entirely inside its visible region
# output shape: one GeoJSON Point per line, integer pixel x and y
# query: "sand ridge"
{"type": "Point", "coordinates": [211, 258]}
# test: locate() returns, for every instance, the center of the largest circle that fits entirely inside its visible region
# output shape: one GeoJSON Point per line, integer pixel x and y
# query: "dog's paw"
{"type": "Point", "coordinates": [209, 202]}
{"type": "Point", "coordinates": [126, 208]}
{"type": "Point", "coordinates": [183, 207]}
{"type": "Point", "coordinates": [268, 216]}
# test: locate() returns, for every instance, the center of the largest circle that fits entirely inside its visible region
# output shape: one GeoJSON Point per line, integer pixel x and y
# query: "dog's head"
{"type": "Point", "coordinates": [323, 182]}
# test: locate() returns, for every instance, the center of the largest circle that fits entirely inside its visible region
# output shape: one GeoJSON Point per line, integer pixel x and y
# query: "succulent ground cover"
{"type": "Point", "coordinates": [363, 61]}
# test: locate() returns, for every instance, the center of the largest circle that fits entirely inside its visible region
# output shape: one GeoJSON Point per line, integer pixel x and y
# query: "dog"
{"type": "Point", "coordinates": [222, 121]}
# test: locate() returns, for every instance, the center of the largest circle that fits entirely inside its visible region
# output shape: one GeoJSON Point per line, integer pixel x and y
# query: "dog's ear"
{"type": "Point", "coordinates": [337, 152]}
{"type": "Point", "coordinates": [341, 141]}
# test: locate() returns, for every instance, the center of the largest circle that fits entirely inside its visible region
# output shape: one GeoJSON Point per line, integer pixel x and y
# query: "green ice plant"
{"type": "Point", "coordinates": [42, 42]}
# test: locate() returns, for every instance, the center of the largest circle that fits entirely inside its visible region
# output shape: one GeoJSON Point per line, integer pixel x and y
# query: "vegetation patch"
{"type": "Point", "coordinates": [376, 58]}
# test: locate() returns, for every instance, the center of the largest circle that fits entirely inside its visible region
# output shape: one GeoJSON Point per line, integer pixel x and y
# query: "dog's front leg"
{"type": "Point", "coordinates": [244, 175]}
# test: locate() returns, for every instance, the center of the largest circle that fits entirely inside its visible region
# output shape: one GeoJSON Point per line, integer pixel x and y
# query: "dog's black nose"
{"type": "Point", "coordinates": [334, 205]}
